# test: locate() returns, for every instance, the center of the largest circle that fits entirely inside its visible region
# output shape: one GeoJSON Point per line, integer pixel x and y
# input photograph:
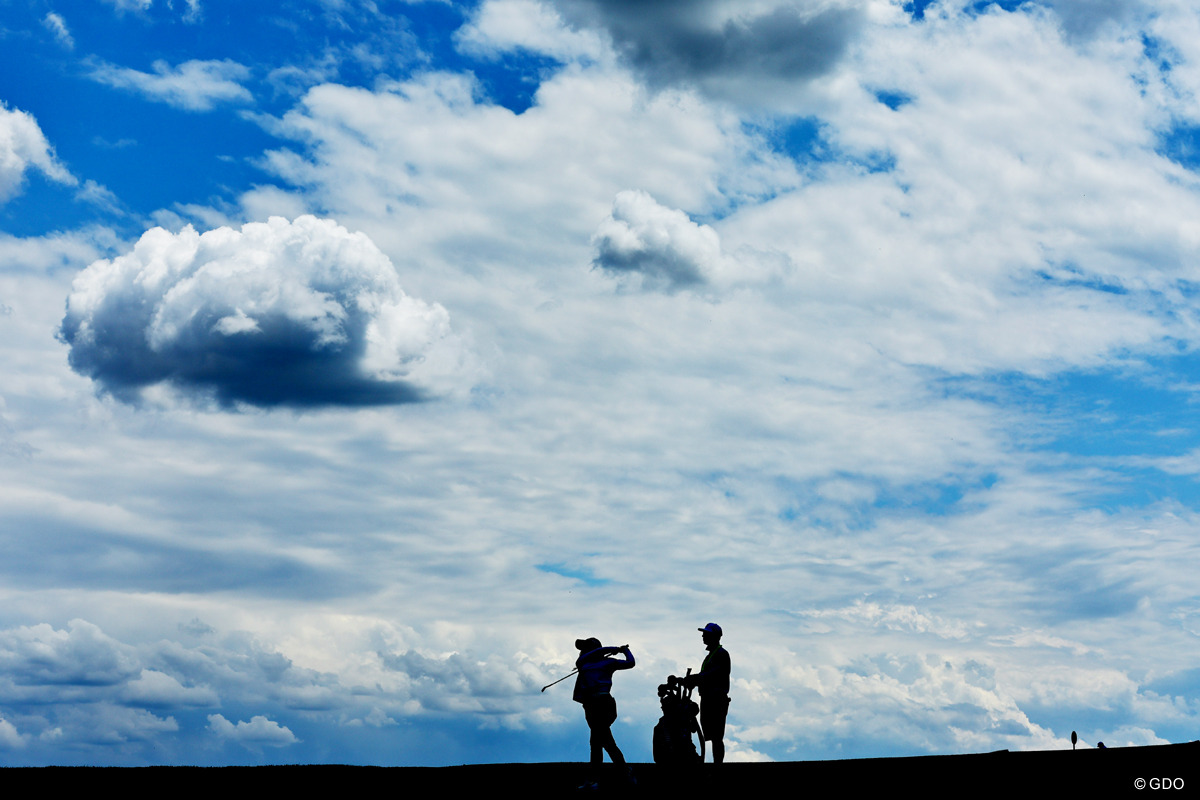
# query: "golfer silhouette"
{"type": "Point", "coordinates": [593, 688]}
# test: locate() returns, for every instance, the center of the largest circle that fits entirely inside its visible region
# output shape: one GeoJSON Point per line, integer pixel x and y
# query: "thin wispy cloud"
{"type": "Point", "coordinates": [191, 85]}
{"type": "Point", "coordinates": [56, 25]}
{"type": "Point", "coordinates": [130, 5]}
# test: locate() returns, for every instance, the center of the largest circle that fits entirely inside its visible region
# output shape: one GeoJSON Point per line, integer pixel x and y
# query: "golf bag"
{"type": "Point", "coordinates": [673, 734]}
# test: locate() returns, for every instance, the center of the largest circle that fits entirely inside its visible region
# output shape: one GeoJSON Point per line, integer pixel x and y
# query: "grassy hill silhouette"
{"type": "Point", "coordinates": [1114, 772]}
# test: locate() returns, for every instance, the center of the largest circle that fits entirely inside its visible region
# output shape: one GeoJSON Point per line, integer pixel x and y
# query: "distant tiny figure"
{"type": "Point", "coordinates": [1100, 746]}
{"type": "Point", "coordinates": [593, 688]}
{"type": "Point", "coordinates": [1074, 739]}
{"type": "Point", "coordinates": [713, 680]}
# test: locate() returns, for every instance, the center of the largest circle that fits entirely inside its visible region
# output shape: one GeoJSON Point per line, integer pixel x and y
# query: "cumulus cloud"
{"type": "Point", "coordinates": [259, 731]}
{"type": "Point", "coordinates": [738, 51]}
{"type": "Point", "coordinates": [23, 146]}
{"type": "Point", "coordinates": [154, 688]}
{"type": "Point", "coordinates": [193, 85]}
{"type": "Point", "coordinates": [80, 655]}
{"type": "Point", "coordinates": [660, 245]}
{"type": "Point", "coordinates": [280, 313]}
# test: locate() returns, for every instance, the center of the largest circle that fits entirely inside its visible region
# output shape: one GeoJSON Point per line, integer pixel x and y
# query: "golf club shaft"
{"type": "Point", "coordinates": [560, 680]}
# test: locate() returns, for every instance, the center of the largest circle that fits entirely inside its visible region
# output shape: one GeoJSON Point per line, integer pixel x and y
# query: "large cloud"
{"type": "Point", "coordinates": [280, 313]}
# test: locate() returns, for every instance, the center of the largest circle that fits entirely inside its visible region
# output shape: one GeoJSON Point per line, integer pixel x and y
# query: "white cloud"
{"type": "Point", "coordinates": [55, 252]}
{"type": "Point", "coordinates": [422, 166]}
{"type": "Point", "coordinates": [1016, 221]}
{"type": "Point", "coordinates": [895, 617]}
{"type": "Point", "coordinates": [258, 731]}
{"type": "Point", "coordinates": [299, 313]}
{"type": "Point", "coordinates": [81, 655]}
{"type": "Point", "coordinates": [499, 26]}
{"type": "Point", "coordinates": [158, 689]}
{"type": "Point", "coordinates": [192, 85]}
{"type": "Point", "coordinates": [56, 25]}
{"type": "Point", "coordinates": [9, 737]}
{"type": "Point", "coordinates": [658, 244]}
{"type": "Point", "coordinates": [131, 5]}
{"type": "Point", "coordinates": [23, 146]}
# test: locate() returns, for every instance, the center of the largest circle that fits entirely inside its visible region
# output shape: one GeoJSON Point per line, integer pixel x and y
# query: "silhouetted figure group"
{"type": "Point", "coordinates": [673, 734]}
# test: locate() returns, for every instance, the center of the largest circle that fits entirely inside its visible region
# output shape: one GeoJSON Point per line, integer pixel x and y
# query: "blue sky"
{"type": "Point", "coordinates": [359, 357]}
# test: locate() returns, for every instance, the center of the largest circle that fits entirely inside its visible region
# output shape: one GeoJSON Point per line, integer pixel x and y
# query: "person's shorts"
{"type": "Point", "coordinates": [600, 711]}
{"type": "Point", "coordinates": [713, 711]}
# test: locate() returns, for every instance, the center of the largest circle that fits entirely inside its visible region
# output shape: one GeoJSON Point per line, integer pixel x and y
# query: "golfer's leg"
{"type": "Point", "coordinates": [597, 742]}
{"type": "Point", "coordinates": [610, 744]}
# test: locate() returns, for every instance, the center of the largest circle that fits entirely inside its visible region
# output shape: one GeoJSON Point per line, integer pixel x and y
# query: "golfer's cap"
{"type": "Point", "coordinates": [588, 644]}
{"type": "Point", "coordinates": [711, 627]}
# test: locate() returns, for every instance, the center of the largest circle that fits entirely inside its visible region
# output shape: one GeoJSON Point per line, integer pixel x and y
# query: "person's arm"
{"type": "Point", "coordinates": [628, 663]}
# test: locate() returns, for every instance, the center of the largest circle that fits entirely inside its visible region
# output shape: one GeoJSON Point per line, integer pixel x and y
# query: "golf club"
{"type": "Point", "coordinates": [560, 680]}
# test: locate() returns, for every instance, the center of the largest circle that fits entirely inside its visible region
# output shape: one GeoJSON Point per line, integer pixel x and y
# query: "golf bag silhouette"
{"type": "Point", "coordinates": [673, 734]}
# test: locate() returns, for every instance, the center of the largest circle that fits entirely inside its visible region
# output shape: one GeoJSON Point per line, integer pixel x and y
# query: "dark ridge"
{"type": "Point", "coordinates": [1114, 772]}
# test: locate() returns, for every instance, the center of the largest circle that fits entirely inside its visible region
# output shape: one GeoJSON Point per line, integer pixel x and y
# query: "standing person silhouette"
{"type": "Point", "coordinates": [592, 689]}
{"type": "Point", "coordinates": [713, 680]}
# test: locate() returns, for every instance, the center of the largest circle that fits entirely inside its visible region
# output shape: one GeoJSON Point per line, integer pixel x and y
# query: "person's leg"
{"type": "Point", "coordinates": [609, 744]}
{"type": "Point", "coordinates": [601, 713]}
{"type": "Point", "coordinates": [597, 748]}
{"type": "Point", "coordinates": [712, 721]}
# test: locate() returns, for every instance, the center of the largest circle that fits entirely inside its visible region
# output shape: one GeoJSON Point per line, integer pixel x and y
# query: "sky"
{"type": "Point", "coordinates": [357, 357]}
